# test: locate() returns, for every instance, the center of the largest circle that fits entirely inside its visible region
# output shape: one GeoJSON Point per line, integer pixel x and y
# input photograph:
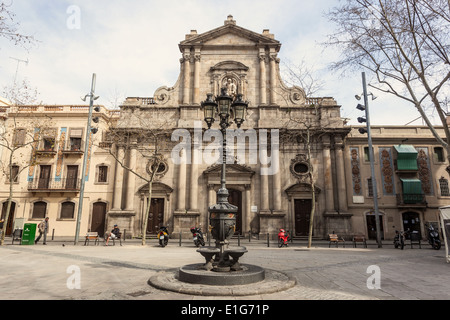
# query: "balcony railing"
{"type": "Point", "coordinates": [49, 185]}
{"type": "Point", "coordinates": [75, 147]}
{"type": "Point", "coordinates": [411, 199]}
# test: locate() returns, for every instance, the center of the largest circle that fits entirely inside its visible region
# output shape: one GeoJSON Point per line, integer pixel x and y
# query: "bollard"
{"type": "Point", "coordinates": [249, 236]}
{"type": "Point", "coordinates": [124, 235]}
{"type": "Point", "coordinates": [267, 240]}
{"type": "Point", "coordinates": [239, 239]}
{"type": "Point", "coordinates": [180, 240]}
{"type": "Point", "coordinates": [53, 234]}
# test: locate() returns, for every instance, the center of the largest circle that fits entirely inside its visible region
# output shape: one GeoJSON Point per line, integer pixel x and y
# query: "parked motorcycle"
{"type": "Point", "coordinates": [283, 238]}
{"type": "Point", "coordinates": [399, 239]}
{"type": "Point", "coordinates": [163, 236]}
{"type": "Point", "coordinates": [198, 236]}
{"type": "Point", "coordinates": [433, 237]}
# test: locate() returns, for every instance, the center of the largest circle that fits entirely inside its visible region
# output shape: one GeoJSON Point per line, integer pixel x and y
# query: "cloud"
{"type": "Point", "coordinates": [132, 46]}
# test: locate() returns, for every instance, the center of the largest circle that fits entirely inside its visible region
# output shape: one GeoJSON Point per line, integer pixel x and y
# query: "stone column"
{"type": "Point", "coordinates": [193, 190]}
{"type": "Point", "coordinates": [273, 72]}
{"type": "Point", "coordinates": [276, 179]}
{"type": "Point", "coordinates": [117, 204]}
{"type": "Point", "coordinates": [328, 179]}
{"type": "Point", "coordinates": [197, 76]}
{"type": "Point", "coordinates": [264, 192]}
{"type": "Point", "coordinates": [262, 79]}
{"type": "Point", "coordinates": [186, 76]}
{"type": "Point", "coordinates": [131, 181]}
{"type": "Point", "coordinates": [248, 205]}
{"type": "Point", "coordinates": [242, 88]}
{"type": "Point", "coordinates": [181, 201]}
{"type": "Point", "coordinates": [340, 173]}
{"type": "Point", "coordinates": [211, 195]}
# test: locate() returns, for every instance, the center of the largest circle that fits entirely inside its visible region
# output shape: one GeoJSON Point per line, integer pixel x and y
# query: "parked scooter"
{"type": "Point", "coordinates": [163, 236]}
{"type": "Point", "coordinates": [283, 238]}
{"type": "Point", "coordinates": [433, 237]}
{"type": "Point", "coordinates": [198, 236]}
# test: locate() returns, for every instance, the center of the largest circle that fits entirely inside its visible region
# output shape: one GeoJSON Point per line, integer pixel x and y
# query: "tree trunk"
{"type": "Point", "coordinates": [8, 207]}
{"type": "Point", "coordinates": [147, 211]}
{"type": "Point", "coordinates": [149, 203]}
{"type": "Point", "coordinates": [313, 191]}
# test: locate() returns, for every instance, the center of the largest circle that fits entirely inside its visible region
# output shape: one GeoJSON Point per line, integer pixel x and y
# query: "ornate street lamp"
{"type": "Point", "coordinates": [239, 107]}
{"type": "Point", "coordinates": [209, 108]}
{"type": "Point", "coordinates": [222, 215]}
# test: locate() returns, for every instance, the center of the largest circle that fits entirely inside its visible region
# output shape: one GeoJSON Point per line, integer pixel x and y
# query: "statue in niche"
{"type": "Point", "coordinates": [230, 85]}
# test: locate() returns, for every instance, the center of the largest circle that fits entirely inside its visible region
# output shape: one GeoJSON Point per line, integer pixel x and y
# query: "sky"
{"type": "Point", "coordinates": [132, 47]}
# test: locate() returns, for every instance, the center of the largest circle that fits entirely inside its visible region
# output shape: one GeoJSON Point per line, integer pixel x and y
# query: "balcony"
{"type": "Point", "coordinates": [73, 146]}
{"type": "Point", "coordinates": [54, 185]}
{"type": "Point", "coordinates": [411, 200]}
{"type": "Point", "coordinates": [47, 147]}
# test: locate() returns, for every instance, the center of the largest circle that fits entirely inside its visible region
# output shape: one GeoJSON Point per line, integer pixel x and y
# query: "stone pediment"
{"type": "Point", "coordinates": [236, 174]}
{"type": "Point", "coordinates": [301, 188]}
{"type": "Point", "coordinates": [229, 66]}
{"type": "Point", "coordinates": [230, 170]}
{"type": "Point", "coordinates": [229, 35]}
{"type": "Point", "coordinates": [230, 38]}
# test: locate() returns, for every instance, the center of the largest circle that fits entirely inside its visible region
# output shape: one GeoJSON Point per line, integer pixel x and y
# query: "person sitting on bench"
{"type": "Point", "coordinates": [114, 234]}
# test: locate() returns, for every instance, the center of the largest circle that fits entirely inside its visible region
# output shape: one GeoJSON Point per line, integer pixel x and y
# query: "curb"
{"type": "Point", "coordinates": [274, 281]}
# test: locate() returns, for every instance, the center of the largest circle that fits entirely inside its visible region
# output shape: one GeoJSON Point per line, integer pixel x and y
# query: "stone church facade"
{"type": "Point", "coordinates": [306, 137]}
{"type": "Point", "coordinates": [267, 202]}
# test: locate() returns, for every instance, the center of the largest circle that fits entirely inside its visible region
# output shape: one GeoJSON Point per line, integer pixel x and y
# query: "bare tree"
{"type": "Point", "coordinates": [302, 75]}
{"type": "Point", "coordinates": [405, 44]}
{"type": "Point", "coordinates": [9, 28]}
{"type": "Point", "coordinates": [21, 94]}
{"type": "Point", "coordinates": [306, 127]}
{"type": "Point", "coordinates": [20, 140]}
{"type": "Point", "coordinates": [147, 133]}
{"type": "Point", "coordinates": [308, 130]}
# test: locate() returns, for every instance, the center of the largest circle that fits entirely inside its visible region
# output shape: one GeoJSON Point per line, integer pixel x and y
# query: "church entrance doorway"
{"type": "Point", "coordinates": [302, 209]}
{"type": "Point", "coordinates": [156, 215]}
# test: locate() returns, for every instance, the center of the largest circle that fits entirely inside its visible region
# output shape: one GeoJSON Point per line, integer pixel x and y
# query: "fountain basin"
{"type": "Point", "coordinates": [195, 273]}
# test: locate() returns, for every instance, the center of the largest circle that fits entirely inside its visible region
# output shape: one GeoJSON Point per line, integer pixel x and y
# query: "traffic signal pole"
{"type": "Point", "coordinates": [371, 158]}
{"type": "Point", "coordinates": [86, 150]}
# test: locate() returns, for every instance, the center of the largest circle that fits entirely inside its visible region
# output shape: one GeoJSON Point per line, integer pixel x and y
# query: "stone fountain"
{"type": "Point", "coordinates": [222, 273]}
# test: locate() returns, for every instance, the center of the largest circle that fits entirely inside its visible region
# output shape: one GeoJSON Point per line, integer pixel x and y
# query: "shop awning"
{"type": "Point", "coordinates": [406, 157]}
{"type": "Point", "coordinates": [412, 190]}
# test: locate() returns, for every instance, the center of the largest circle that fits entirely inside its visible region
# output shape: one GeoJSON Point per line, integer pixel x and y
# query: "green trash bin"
{"type": "Point", "coordinates": [29, 233]}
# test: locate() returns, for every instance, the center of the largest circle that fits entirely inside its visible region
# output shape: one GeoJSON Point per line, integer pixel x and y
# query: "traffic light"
{"type": "Point", "coordinates": [95, 119]}
{"type": "Point", "coordinates": [362, 119]}
{"type": "Point", "coordinates": [361, 107]}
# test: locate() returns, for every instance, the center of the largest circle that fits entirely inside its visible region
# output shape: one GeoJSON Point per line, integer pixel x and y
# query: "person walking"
{"type": "Point", "coordinates": [43, 229]}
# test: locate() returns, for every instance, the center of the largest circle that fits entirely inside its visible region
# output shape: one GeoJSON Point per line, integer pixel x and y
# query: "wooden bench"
{"type": "Point", "coordinates": [91, 236]}
{"type": "Point", "coordinates": [335, 239]}
{"type": "Point", "coordinates": [359, 238]}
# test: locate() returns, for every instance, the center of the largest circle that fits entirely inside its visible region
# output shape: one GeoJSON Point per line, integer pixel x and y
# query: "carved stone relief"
{"type": "Point", "coordinates": [356, 172]}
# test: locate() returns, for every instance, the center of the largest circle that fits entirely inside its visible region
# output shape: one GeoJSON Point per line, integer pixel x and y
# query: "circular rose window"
{"type": "Point", "coordinates": [300, 167]}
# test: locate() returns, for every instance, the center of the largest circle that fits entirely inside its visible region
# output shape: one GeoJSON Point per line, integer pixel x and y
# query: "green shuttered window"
{"type": "Point", "coordinates": [406, 157]}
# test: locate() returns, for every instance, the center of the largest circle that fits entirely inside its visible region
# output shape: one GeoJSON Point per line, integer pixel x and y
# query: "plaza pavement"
{"type": "Point", "coordinates": [61, 270]}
